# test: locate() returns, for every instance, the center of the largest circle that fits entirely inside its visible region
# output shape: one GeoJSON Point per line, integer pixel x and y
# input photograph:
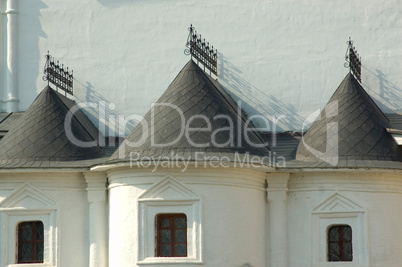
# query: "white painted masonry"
{"type": "Point", "coordinates": [277, 193]}
{"type": "Point", "coordinates": [98, 238]}
{"type": "Point", "coordinates": [233, 218]}
{"type": "Point", "coordinates": [224, 208]}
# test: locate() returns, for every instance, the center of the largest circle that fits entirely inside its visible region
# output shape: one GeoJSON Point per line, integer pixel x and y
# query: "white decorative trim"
{"type": "Point", "coordinates": [337, 203]}
{"type": "Point", "coordinates": [339, 209]}
{"type": "Point", "coordinates": [28, 203]}
{"type": "Point", "coordinates": [168, 189]}
{"type": "Point", "coordinates": [27, 197]}
{"type": "Point", "coordinates": [169, 196]}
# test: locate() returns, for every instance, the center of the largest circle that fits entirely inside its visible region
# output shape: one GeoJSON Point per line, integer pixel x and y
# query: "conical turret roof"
{"type": "Point", "coordinates": [350, 127]}
{"type": "Point", "coordinates": [40, 134]}
{"type": "Point", "coordinates": [193, 115]}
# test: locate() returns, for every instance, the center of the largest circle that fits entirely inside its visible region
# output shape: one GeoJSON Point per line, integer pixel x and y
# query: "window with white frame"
{"type": "Point", "coordinates": [169, 224]}
{"type": "Point", "coordinates": [339, 232]}
{"type": "Point", "coordinates": [28, 236]}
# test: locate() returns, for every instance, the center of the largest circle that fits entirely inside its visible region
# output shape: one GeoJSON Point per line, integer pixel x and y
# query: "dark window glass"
{"type": "Point", "coordinates": [340, 243]}
{"type": "Point", "coordinates": [30, 242]}
{"type": "Point", "coordinates": [171, 235]}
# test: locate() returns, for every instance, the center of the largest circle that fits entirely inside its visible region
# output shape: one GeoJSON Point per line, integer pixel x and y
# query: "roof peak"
{"type": "Point", "coordinates": [350, 126]}
{"type": "Point", "coordinates": [194, 115]}
{"type": "Point", "coordinates": [40, 134]}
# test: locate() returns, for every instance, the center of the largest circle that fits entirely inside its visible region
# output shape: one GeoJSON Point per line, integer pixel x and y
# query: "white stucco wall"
{"type": "Point", "coordinates": [377, 193]}
{"type": "Point", "coordinates": [70, 215]}
{"type": "Point", "coordinates": [280, 57]}
{"type": "Point", "coordinates": [232, 214]}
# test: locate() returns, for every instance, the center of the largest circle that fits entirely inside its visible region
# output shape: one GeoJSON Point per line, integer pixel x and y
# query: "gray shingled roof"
{"type": "Point", "coordinates": [361, 134]}
{"type": "Point", "coordinates": [195, 94]}
{"type": "Point", "coordinates": [39, 137]}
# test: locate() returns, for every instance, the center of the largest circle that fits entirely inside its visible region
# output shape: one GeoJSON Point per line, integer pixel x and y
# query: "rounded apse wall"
{"type": "Point", "coordinates": [225, 209]}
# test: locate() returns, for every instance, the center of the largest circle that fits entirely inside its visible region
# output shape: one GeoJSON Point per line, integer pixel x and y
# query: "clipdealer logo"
{"type": "Point", "coordinates": [331, 154]}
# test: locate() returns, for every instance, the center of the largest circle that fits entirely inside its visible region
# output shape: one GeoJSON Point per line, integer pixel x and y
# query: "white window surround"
{"type": "Point", "coordinates": [337, 210]}
{"type": "Point", "coordinates": [27, 203]}
{"type": "Point", "coordinates": [169, 196]}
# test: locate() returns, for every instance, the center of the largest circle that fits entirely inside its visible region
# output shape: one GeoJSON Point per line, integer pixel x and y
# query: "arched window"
{"type": "Point", "coordinates": [340, 243]}
{"type": "Point", "coordinates": [30, 242]}
{"type": "Point", "coordinates": [171, 235]}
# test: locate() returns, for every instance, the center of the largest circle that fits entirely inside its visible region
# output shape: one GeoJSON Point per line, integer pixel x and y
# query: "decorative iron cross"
{"type": "Point", "coordinates": [57, 75]}
{"type": "Point", "coordinates": [201, 51]}
{"type": "Point", "coordinates": [353, 61]}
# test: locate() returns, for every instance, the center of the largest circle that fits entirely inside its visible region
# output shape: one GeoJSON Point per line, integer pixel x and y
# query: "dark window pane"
{"type": "Point", "coordinates": [180, 249]}
{"type": "Point", "coordinates": [180, 235]}
{"type": "Point", "coordinates": [333, 234]}
{"type": "Point", "coordinates": [25, 252]}
{"type": "Point", "coordinates": [39, 251]}
{"type": "Point", "coordinates": [333, 252]}
{"type": "Point", "coordinates": [180, 222]}
{"type": "Point", "coordinates": [26, 231]}
{"type": "Point", "coordinates": [166, 236]}
{"type": "Point", "coordinates": [348, 252]}
{"type": "Point", "coordinates": [166, 250]}
{"type": "Point", "coordinates": [347, 234]}
{"type": "Point", "coordinates": [39, 231]}
{"type": "Point", "coordinates": [165, 222]}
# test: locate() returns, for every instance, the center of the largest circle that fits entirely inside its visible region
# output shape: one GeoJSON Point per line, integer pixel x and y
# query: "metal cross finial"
{"type": "Point", "coordinates": [353, 61]}
{"type": "Point", "coordinates": [57, 75]}
{"type": "Point", "coordinates": [199, 49]}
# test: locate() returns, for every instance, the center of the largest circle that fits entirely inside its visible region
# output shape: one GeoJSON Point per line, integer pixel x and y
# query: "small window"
{"type": "Point", "coordinates": [171, 235]}
{"type": "Point", "coordinates": [340, 243]}
{"type": "Point", "coordinates": [30, 242]}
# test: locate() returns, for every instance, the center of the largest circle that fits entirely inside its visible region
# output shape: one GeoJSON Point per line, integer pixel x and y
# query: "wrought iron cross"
{"type": "Point", "coordinates": [201, 51]}
{"type": "Point", "coordinates": [58, 75]}
{"type": "Point", "coordinates": [353, 61]}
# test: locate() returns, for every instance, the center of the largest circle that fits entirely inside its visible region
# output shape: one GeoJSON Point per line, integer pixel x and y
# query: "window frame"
{"type": "Point", "coordinates": [341, 242]}
{"type": "Point", "coordinates": [172, 228]}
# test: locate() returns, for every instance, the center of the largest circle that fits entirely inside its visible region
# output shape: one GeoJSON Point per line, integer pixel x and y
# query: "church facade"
{"type": "Point", "coordinates": [186, 188]}
{"type": "Point", "coordinates": [231, 165]}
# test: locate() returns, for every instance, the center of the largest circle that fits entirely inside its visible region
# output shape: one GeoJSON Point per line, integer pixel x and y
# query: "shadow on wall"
{"type": "Point", "coordinates": [389, 98]}
{"type": "Point", "coordinates": [103, 113]}
{"type": "Point", "coordinates": [257, 102]}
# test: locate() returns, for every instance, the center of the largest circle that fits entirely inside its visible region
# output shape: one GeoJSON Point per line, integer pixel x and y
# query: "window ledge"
{"type": "Point", "coordinates": [169, 260]}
